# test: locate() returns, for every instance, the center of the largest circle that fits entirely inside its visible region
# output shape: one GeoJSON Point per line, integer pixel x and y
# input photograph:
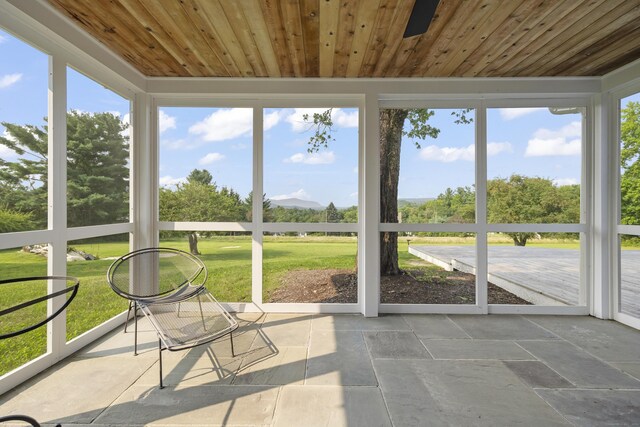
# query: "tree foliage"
{"type": "Point", "coordinates": [392, 122]}
{"type": "Point", "coordinates": [12, 221]}
{"type": "Point", "coordinates": [97, 172]}
{"type": "Point", "coordinates": [267, 210]}
{"type": "Point", "coordinates": [520, 199]}
{"type": "Point", "coordinates": [202, 176]}
{"type": "Point", "coordinates": [514, 200]}
{"type": "Point", "coordinates": [452, 206]}
{"type": "Point", "coordinates": [200, 200]}
{"type": "Point", "coordinates": [629, 156]}
{"type": "Point", "coordinates": [332, 214]}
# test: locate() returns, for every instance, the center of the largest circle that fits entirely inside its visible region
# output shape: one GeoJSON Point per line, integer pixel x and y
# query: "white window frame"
{"type": "Point", "coordinates": [615, 108]}
{"type": "Point", "coordinates": [257, 227]}
{"type": "Point", "coordinates": [481, 227]}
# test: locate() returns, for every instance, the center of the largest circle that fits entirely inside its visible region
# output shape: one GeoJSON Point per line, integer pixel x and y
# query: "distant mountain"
{"type": "Point", "coordinates": [416, 201]}
{"type": "Point", "coordinates": [297, 203]}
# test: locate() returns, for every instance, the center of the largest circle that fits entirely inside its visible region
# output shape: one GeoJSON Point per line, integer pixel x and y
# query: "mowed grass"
{"type": "Point", "coordinates": [19, 350]}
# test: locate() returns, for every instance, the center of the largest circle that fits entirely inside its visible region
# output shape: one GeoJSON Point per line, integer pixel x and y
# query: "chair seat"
{"type": "Point", "coordinates": [190, 322]}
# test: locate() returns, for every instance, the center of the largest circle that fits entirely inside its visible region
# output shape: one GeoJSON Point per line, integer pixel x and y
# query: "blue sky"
{"type": "Point", "coordinates": [527, 141]}
{"type": "Point", "coordinates": [220, 140]}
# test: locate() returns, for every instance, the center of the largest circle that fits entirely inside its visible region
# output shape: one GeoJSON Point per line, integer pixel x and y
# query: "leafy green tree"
{"type": "Point", "coordinates": [97, 173]}
{"type": "Point", "coordinates": [23, 183]}
{"type": "Point", "coordinates": [267, 210]}
{"type": "Point", "coordinates": [350, 214]}
{"type": "Point", "coordinates": [520, 199]}
{"type": "Point", "coordinates": [200, 200]}
{"type": "Point", "coordinates": [12, 221]}
{"type": "Point", "coordinates": [332, 213]}
{"type": "Point", "coordinates": [629, 156]}
{"type": "Point", "coordinates": [202, 176]}
{"type": "Point", "coordinates": [392, 123]}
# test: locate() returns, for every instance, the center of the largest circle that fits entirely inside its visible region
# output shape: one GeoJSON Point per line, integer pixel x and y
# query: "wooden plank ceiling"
{"type": "Point", "coordinates": [363, 38]}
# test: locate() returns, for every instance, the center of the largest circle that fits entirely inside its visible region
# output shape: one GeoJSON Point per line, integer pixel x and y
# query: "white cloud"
{"type": "Point", "coordinates": [565, 181]}
{"type": "Point", "coordinates": [300, 194]}
{"type": "Point", "coordinates": [321, 158]}
{"type": "Point", "coordinates": [272, 119]}
{"type": "Point", "coordinates": [566, 141]}
{"type": "Point", "coordinates": [447, 154]}
{"type": "Point", "coordinates": [224, 124]}
{"type": "Point", "coordinates": [296, 119]}
{"type": "Point", "coordinates": [340, 118]}
{"type": "Point", "coordinates": [169, 181]}
{"type": "Point", "coordinates": [7, 153]}
{"type": "Point", "coordinates": [494, 148]}
{"type": "Point", "coordinates": [177, 144]}
{"type": "Point", "coordinates": [2, 39]}
{"type": "Point", "coordinates": [7, 135]}
{"type": "Point", "coordinates": [514, 113]}
{"type": "Point", "coordinates": [165, 121]}
{"type": "Point", "coordinates": [9, 79]}
{"type": "Point", "coordinates": [211, 158]}
{"type": "Point", "coordinates": [453, 154]}
{"type": "Point", "coordinates": [345, 120]}
{"type": "Point", "coordinates": [354, 195]}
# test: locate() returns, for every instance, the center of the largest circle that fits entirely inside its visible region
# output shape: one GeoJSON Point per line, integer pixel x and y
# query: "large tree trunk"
{"type": "Point", "coordinates": [391, 123]}
{"type": "Point", "coordinates": [520, 239]}
{"type": "Point", "coordinates": [193, 244]}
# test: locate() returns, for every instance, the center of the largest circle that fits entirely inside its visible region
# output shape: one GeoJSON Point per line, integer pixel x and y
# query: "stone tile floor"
{"type": "Point", "coordinates": [343, 370]}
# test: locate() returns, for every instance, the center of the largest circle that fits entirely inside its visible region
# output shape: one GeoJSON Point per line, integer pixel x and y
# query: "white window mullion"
{"type": "Point", "coordinates": [482, 297]}
{"type": "Point", "coordinates": [369, 208]}
{"type": "Point", "coordinates": [257, 208]}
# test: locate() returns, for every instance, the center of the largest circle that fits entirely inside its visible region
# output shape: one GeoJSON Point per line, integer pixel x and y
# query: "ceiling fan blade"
{"type": "Point", "coordinates": [421, 16]}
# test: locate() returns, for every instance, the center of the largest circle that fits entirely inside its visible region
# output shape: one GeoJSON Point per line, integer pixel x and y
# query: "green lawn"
{"type": "Point", "coordinates": [228, 260]}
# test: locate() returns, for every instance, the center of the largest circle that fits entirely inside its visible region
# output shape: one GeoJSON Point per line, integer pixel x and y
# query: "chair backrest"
{"type": "Point", "coordinates": [153, 272]}
{"type": "Point", "coordinates": [26, 311]}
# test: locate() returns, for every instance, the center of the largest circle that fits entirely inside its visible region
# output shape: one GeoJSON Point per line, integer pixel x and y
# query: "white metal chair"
{"type": "Point", "coordinates": [168, 286]}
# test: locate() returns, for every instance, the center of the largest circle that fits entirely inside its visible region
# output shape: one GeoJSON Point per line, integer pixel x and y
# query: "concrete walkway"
{"type": "Point", "coordinates": [343, 370]}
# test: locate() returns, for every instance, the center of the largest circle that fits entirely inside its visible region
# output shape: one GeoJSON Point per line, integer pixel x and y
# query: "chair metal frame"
{"type": "Point", "coordinates": [169, 296]}
{"type": "Point", "coordinates": [74, 291]}
{"type": "Point", "coordinates": [191, 287]}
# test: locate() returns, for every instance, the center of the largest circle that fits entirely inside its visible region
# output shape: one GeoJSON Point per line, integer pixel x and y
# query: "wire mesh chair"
{"type": "Point", "coordinates": [168, 286]}
{"type": "Point", "coordinates": [23, 314]}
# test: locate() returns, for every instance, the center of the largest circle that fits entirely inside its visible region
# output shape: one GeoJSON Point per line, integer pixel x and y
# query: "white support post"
{"type": "Point", "coordinates": [603, 235]}
{"type": "Point", "coordinates": [143, 196]}
{"type": "Point", "coordinates": [257, 208]}
{"type": "Point", "coordinates": [57, 198]}
{"type": "Point", "coordinates": [482, 296]}
{"type": "Point", "coordinates": [143, 199]}
{"type": "Point", "coordinates": [369, 209]}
